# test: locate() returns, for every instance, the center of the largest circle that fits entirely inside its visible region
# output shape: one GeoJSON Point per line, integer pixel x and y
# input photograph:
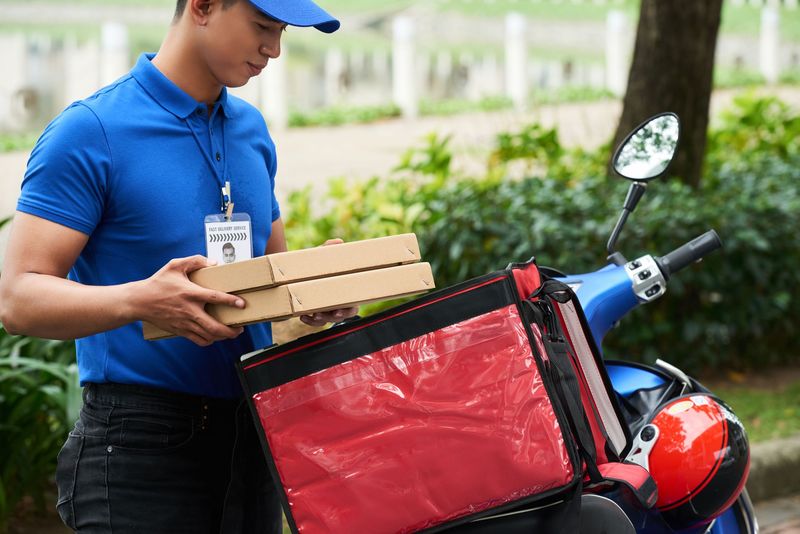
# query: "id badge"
{"type": "Point", "coordinates": [229, 241]}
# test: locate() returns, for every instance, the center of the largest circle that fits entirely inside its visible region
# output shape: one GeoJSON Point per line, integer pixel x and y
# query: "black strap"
{"type": "Point", "coordinates": [569, 392]}
{"type": "Point", "coordinates": [558, 291]}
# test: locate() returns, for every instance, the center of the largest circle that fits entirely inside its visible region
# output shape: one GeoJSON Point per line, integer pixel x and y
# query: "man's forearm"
{"type": "Point", "coordinates": [56, 308]}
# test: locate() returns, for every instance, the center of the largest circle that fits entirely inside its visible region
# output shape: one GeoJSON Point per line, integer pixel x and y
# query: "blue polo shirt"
{"type": "Point", "coordinates": [136, 167]}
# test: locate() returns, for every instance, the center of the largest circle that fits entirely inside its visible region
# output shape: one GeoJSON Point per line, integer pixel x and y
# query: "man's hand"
{"type": "Point", "coordinates": [169, 300]}
{"type": "Point", "coordinates": [323, 318]}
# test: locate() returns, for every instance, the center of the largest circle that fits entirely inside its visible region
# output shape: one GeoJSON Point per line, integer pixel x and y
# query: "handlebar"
{"type": "Point", "coordinates": [689, 253]}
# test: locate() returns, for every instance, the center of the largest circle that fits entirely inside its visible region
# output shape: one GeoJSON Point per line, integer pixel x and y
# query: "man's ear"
{"type": "Point", "coordinates": [199, 10]}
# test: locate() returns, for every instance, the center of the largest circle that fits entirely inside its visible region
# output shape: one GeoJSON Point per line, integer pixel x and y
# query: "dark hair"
{"type": "Point", "coordinates": [228, 246]}
{"type": "Point", "coordinates": [180, 5]}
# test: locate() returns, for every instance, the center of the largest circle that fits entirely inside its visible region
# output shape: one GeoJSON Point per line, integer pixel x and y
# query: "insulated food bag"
{"type": "Point", "coordinates": [472, 401]}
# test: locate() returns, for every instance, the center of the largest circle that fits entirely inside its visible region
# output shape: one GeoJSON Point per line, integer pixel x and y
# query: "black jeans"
{"type": "Point", "coordinates": [146, 460]}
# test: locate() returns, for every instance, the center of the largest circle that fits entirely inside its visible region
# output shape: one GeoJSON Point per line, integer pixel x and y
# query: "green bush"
{"type": "Point", "coordinates": [12, 142]}
{"type": "Point", "coordinates": [455, 106]}
{"type": "Point", "coordinates": [335, 116]}
{"type": "Point", "coordinates": [39, 403]}
{"type": "Point", "coordinates": [734, 310]}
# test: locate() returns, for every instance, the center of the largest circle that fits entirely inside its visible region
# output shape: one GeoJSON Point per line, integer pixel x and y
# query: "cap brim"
{"type": "Point", "coordinates": [302, 13]}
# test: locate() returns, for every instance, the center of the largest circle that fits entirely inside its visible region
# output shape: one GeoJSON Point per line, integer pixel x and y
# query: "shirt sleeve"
{"type": "Point", "coordinates": [68, 171]}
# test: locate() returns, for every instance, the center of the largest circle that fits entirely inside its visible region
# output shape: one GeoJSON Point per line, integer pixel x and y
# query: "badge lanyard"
{"type": "Point", "coordinates": [228, 234]}
{"type": "Point", "coordinates": [226, 206]}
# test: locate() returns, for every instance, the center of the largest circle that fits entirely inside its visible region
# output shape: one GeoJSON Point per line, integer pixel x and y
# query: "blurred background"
{"type": "Point", "coordinates": [485, 126]}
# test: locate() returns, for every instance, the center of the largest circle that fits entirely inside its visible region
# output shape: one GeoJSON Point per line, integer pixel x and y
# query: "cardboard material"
{"type": "Point", "coordinates": [322, 294]}
{"type": "Point", "coordinates": [310, 263]}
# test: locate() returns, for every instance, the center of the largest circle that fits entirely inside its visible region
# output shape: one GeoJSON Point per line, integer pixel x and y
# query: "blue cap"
{"type": "Point", "coordinates": [298, 13]}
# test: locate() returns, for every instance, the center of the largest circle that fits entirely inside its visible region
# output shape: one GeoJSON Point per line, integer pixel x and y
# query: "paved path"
{"type": "Point", "coordinates": [309, 156]}
{"type": "Point", "coordinates": [781, 516]}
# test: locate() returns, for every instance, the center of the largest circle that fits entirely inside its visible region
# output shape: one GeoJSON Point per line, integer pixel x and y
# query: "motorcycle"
{"type": "Point", "coordinates": [610, 293]}
{"type": "Point", "coordinates": [646, 392]}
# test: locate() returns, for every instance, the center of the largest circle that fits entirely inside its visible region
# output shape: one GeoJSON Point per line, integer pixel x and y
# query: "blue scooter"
{"type": "Point", "coordinates": [608, 294]}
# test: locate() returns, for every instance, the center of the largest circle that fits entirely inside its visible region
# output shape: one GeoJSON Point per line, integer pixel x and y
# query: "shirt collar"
{"type": "Point", "coordinates": [167, 94]}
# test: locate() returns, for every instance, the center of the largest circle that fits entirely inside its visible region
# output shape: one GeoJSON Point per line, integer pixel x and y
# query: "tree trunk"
{"type": "Point", "coordinates": [672, 70]}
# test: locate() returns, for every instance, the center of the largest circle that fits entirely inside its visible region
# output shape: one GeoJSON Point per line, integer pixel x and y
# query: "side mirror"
{"type": "Point", "coordinates": [647, 151]}
{"type": "Point", "coordinates": [644, 155]}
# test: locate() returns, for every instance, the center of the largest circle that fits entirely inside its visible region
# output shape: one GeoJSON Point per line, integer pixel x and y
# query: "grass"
{"type": "Point", "coordinates": [767, 413]}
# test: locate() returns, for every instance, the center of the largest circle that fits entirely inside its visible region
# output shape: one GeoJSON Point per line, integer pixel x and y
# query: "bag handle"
{"type": "Point", "coordinates": [555, 289]}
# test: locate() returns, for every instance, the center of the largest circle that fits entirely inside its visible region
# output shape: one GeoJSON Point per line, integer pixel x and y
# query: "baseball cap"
{"type": "Point", "coordinates": [298, 13]}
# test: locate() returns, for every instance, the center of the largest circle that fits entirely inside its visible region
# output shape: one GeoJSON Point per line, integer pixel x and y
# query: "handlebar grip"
{"type": "Point", "coordinates": [689, 253]}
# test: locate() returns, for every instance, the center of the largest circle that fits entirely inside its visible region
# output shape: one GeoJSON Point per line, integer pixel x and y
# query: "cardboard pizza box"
{"type": "Point", "coordinates": [321, 294]}
{"type": "Point", "coordinates": [306, 264]}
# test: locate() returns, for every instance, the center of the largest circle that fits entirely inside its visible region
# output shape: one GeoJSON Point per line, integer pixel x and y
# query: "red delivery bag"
{"type": "Point", "coordinates": [441, 411]}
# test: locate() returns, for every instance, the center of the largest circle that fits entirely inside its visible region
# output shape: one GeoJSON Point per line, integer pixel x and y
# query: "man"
{"type": "Point", "coordinates": [115, 196]}
{"type": "Point", "coordinates": [228, 253]}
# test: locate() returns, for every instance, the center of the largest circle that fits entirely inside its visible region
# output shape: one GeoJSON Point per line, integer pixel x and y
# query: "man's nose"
{"type": "Point", "coordinates": [271, 49]}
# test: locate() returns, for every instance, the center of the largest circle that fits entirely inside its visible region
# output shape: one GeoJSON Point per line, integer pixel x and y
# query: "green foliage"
{"type": "Point", "coordinates": [754, 126]}
{"type": "Point", "coordinates": [12, 142]}
{"type": "Point", "coordinates": [39, 402]}
{"type": "Point", "coordinates": [790, 77]}
{"type": "Point", "coordinates": [732, 77]}
{"type": "Point", "coordinates": [335, 116]}
{"type": "Point", "coordinates": [339, 115]}
{"type": "Point", "coordinates": [533, 144]}
{"type": "Point", "coordinates": [570, 94]}
{"type": "Point", "coordinates": [455, 106]}
{"type": "Point", "coordinates": [735, 310]}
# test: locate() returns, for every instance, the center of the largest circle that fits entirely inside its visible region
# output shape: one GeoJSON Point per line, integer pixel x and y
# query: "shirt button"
{"type": "Point", "coordinates": [219, 157]}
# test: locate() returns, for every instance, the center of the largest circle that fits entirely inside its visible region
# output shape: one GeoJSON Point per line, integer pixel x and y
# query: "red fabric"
{"type": "Point", "coordinates": [635, 475]}
{"type": "Point", "coordinates": [445, 425]}
{"type": "Point", "coordinates": [527, 279]}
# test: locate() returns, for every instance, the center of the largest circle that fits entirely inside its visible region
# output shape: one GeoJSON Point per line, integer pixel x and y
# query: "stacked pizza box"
{"type": "Point", "coordinates": [301, 282]}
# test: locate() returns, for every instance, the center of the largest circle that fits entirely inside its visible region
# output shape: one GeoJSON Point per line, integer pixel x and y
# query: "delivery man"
{"type": "Point", "coordinates": [109, 224]}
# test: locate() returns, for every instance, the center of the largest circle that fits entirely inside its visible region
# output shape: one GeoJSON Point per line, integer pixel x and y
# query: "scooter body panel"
{"type": "Point", "coordinates": [605, 297]}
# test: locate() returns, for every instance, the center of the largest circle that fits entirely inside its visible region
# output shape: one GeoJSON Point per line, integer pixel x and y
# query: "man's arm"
{"type": "Point", "coordinates": [277, 239]}
{"type": "Point", "coordinates": [36, 298]}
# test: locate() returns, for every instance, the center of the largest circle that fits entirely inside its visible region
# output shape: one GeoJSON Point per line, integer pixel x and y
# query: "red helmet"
{"type": "Point", "coordinates": [699, 457]}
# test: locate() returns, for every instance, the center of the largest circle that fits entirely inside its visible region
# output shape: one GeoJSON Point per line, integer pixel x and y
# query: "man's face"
{"type": "Point", "coordinates": [239, 41]}
{"type": "Point", "coordinates": [228, 255]}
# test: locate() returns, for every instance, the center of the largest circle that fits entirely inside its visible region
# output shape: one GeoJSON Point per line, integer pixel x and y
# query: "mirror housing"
{"type": "Point", "coordinates": [647, 151]}
{"type": "Point", "coordinates": [644, 155]}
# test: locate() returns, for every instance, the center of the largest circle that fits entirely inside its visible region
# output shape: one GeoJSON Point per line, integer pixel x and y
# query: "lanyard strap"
{"type": "Point", "coordinates": [226, 206]}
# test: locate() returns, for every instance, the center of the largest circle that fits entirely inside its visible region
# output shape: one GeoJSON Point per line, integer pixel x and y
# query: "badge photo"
{"type": "Point", "coordinates": [228, 241]}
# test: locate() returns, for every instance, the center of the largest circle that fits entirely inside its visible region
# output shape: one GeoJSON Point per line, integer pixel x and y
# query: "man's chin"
{"type": "Point", "coordinates": [237, 83]}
